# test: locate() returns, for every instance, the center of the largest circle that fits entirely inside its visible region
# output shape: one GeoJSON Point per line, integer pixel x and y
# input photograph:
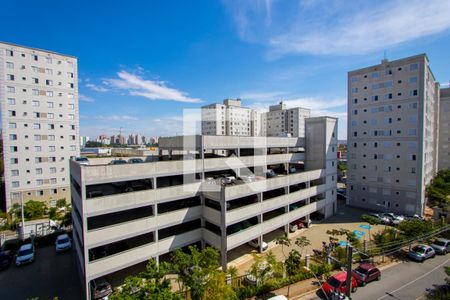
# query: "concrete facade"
{"type": "Point", "coordinates": [280, 121]}
{"type": "Point", "coordinates": [392, 134]}
{"type": "Point", "coordinates": [444, 130]}
{"type": "Point", "coordinates": [124, 214]}
{"type": "Point", "coordinates": [39, 107]}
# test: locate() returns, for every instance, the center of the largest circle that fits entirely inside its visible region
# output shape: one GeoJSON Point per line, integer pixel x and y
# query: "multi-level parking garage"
{"type": "Point", "coordinates": [222, 191]}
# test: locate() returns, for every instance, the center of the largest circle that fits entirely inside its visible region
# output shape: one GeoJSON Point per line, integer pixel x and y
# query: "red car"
{"type": "Point", "coordinates": [336, 283]}
{"type": "Point", "coordinates": [366, 273]}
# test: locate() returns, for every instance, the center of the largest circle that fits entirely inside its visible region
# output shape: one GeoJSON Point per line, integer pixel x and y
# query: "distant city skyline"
{"type": "Point", "coordinates": [141, 72]}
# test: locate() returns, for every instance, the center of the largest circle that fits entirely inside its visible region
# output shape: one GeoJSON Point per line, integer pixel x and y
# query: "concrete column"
{"type": "Point", "coordinates": [260, 241]}
{"type": "Point", "coordinates": [223, 236]}
{"type": "Point", "coordinates": [157, 259]}
{"type": "Point", "coordinates": [307, 260]}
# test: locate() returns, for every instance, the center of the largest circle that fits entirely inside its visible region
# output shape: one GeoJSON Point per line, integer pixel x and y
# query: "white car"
{"type": "Point", "coordinates": [254, 243]}
{"type": "Point", "coordinates": [25, 254]}
{"type": "Point", "coordinates": [82, 161]}
{"type": "Point", "coordinates": [63, 243]}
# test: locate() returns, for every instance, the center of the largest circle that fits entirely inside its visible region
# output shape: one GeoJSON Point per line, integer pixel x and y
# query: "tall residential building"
{"type": "Point", "coordinates": [39, 106]}
{"type": "Point", "coordinates": [83, 140]}
{"type": "Point", "coordinates": [125, 214]}
{"type": "Point", "coordinates": [230, 118]}
{"type": "Point", "coordinates": [444, 130]}
{"type": "Point", "coordinates": [280, 121]}
{"type": "Point", "coordinates": [392, 134]}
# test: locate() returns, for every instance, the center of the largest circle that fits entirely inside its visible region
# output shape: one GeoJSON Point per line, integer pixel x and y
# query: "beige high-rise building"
{"type": "Point", "coordinates": [444, 130]}
{"type": "Point", "coordinates": [230, 118]}
{"type": "Point", "coordinates": [280, 121]}
{"type": "Point", "coordinates": [392, 134]}
{"type": "Point", "coordinates": [39, 106]}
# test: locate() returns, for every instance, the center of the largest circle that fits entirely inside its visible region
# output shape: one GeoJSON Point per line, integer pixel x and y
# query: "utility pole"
{"type": "Point", "coordinates": [22, 216]}
{"type": "Point", "coordinates": [348, 285]}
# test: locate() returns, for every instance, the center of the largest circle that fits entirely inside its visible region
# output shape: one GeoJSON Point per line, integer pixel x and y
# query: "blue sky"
{"type": "Point", "coordinates": [142, 62]}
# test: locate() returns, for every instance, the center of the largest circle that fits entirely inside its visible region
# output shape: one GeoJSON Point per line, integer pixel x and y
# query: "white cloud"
{"type": "Point", "coordinates": [312, 103]}
{"type": "Point", "coordinates": [85, 98]}
{"type": "Point", "coordinates": [111, 118]}
{"type": "Point", "coordinates": [338, 27]}
{"type": "Point", "coordinates": [261, 95]}
{"type": "Point", "coordinates": [96, 88]}
{"type": "Point", "coordinates": [150, 89]}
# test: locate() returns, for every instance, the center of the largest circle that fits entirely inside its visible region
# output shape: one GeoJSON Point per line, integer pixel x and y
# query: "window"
{"type": "Point", "coordinates": [9, 65]}
{"type": "Point", "coordinates": [354, 123]}
{"type": "Point", "coordinates": [13, 148]}
{"type": "Point", "coordinates": [35, 80]}
{"type": "Point", "coordinates": [413, 93]}
{"type": "Point", "coordinates": [11, 113]}
{"type": "Point", "coordinates": [14, 172]}
{"type": "Point", "coordinates": [413, 67]}
{"type": "Point", "coordinates": [70, 85]}
{"type": "Point", "coordinates": [71, 106]}
{"type": "Point", "coordinates": [40, 193]}
{"type": "Point", "coordinates": [412, 157]}
{"type": "Point", "coordinates": [50, 104]}
{"type": "Point", "coordinates": [388, 96]}
{"type": "Point", "coordinates": [52, 180]}
{"type": "Point", "coordinates": [354, 90]}
{"type": "Point", "coordinates": [50, 116]}
{"type": "Point", "coordinates": [39, 182]}
{"type": "Point", "coordinates": [13, 137]}
{"type": "Point", "coordinates": [52, 170]}
{"type": "Point", "coordinates": [70, 95]}
{"type": "Point", "coordinates": [34, 57]}
{"type": "Point", "coordinates": [51, 126]}
{"type": "Point", "coordinates": [35, 92]}
{"type": "Point", "coordinates": [11, 89]}
{"type": "Point", "coordinates": [36, 126]}
{"type": "Point", "coordinates": [49, 93]}
{"type": "Point", "coordinates": [49, 82]}
{"type": "Point", "coordinates": [73, 148]}
{"type": "Point", "coordinates": [413, 105]}
{"type": "Point", "coordinates": [375, 74]}
{"type": "Point", "coordinates": [15, 184]}
{"type": "Point", "coordinates": [48, 60]}
{"type": "Point", "coordinates": [14, 161]}
{"type": "Point", "coordinates": [9, 53]}
{"type": "Point", "coordinates": [412, 131]}
{"type": "Point", "coordinates": [388, 72]}
{"type": "Point", "coordinates": [413, 79]}
{"type": "Point", "coordinates": [71, 117]}
{"type": "Point", "coordinates": [70, 74]}
{"type": "Point", "coordinates": [38, 171]}
{"type": "Point", "coordinates": [354, 79]}
{"type": "Point", "coordinates": [11, 101]}
{"type": "Point", "coordinates": [375, 98]}
{"type": "Point", "coordinates": [51, 137]}
{"type": "Point", "coordinates": [10, 77]}
{"type": "Point", "coordinates": [52, 148]}
{"type": "Point", "coordinates": [35, 103]}
{"type": "Point", "coordinates": [412, 145]}
{"type": "Point", "coordinates": [37, 137]}
{"type": "Point", "coordinates": [412, 119]}
{"type": "Point", "coordinates": [49, 71]}
{"type": "Point", "coordinates": [355, 112]}
{"type": "Point", "coordinates": [37, 148]}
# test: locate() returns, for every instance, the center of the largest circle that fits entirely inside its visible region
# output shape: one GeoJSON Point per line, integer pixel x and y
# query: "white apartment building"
{"type": "Point", "coordinates": [124, 214]}
{"type": "Point", "coordinates": [392, 134]}
{"type": "Point", "coordinates": [230, 118]}
{"type": "Point", "coordinates": [39, 107]}
{"type": "Point", "coordinates": [444, 130]}
{"type": "Point", "coordinates": [280, 121]}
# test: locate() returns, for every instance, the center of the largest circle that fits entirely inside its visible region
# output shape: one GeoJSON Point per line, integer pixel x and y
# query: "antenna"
{"type": "Point", "coordinates": [384, 60]}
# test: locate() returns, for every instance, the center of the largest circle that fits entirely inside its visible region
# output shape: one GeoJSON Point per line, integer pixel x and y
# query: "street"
{"type": "Point", "coordinates": [407, 280]}
{"type": "Point", "coordinates": [50, 275]}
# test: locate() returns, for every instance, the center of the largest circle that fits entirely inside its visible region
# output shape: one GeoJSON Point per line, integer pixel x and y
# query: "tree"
{"type": "Point", "coordinates": [371, 220]}
{"type": "Point", "coordinates": [293, 262]}
{"type": "Point", "coordinates": [61, 203]}
{"type": "Point", "coordinates": [302, 242]}
{"type": "Point", "coordinates": [284, 241]}
{"type": "Point", "coordinates": [93, 144]}
{"type": "Point", "coordinates": [150, 284]}
{"type": "Point", "coordinates": [415, 227]}
{"type": "Point", "coordinates": [438, 191]}
{"type": "Point", "coordinates": [194, 268]}
{"type": "Point", "coordinates": [34, 210]}
{"type": "Point", "coordinates": [217, 288]}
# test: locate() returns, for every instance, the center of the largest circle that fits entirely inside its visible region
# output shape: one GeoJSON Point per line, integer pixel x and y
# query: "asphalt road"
{"type": "Point", "coordinates": [407, 280]}
{"type": "Point", "coordinates": [48, 276]}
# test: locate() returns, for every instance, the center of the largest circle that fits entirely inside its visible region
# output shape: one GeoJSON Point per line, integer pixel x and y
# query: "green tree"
{"type": "Point", "coordinates": [438, 191]}
{"type": "Point", "coordinates": [414, 227]}
{"type": "Point", "coordinates": [217, 288]}
{"type": "Point", "coordinates": [194, 268]}
{"type": "Point", "coordinates": [284, 241]}
{"type": "Point", "coordinates": [371, 220]}
{"type": "Point", "coordinates": [34, 210]}
{"type": "Point", "coordinates": [293, 262]}
{"type": "Point", "coordinates": [302, 242]}
{"type": "Point", "coordinates": [150, 284]}
{"type": "Point", "coordinates": [61, 203]}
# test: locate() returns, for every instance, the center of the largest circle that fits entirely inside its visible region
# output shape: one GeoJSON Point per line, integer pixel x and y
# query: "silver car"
{"type": "Point", "coordinates": [441, 246]}
{"type": "Point", "coordinates": [421, 253]}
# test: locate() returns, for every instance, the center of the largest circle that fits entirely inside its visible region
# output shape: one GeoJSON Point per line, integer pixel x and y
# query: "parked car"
{"type": "Point", "coordinates": [382, 219]}
{"type": "Point", "coordinates": [366, 273]}
{"type": "Point", "coordinates": [118, 162]}
{"type": "Point", "coordinates": [101, 288]}
{"type": "Point", "coordinates": [337, 283]}
{"type": "Point", "coordinates": [135, 161]}
{"type": "Point", "coordinates": [26, 254]}
{"type": "Point", "coordinates": [82, 160]}
{"type": "Point", "coordinates": [393, 218]}
{"type": "Point", "coordinates": [441, 246]}
{"type": "Point", "coordinates": [5, 259]}
{"type": "Point", "coordinates": [271, 173]}
{"type": "Point", "coordinates": [254, 243]}
{"type": "Point", "coordinates": [298, 224]}
{"type": "Point", "coordinates": [63, 243]}
{"type": "Point", "coordinates": [248, 178]}
{"type": "Point", "coordinates": [421, 253]}
{"type": "Point", "coordinates": [292, 170]}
